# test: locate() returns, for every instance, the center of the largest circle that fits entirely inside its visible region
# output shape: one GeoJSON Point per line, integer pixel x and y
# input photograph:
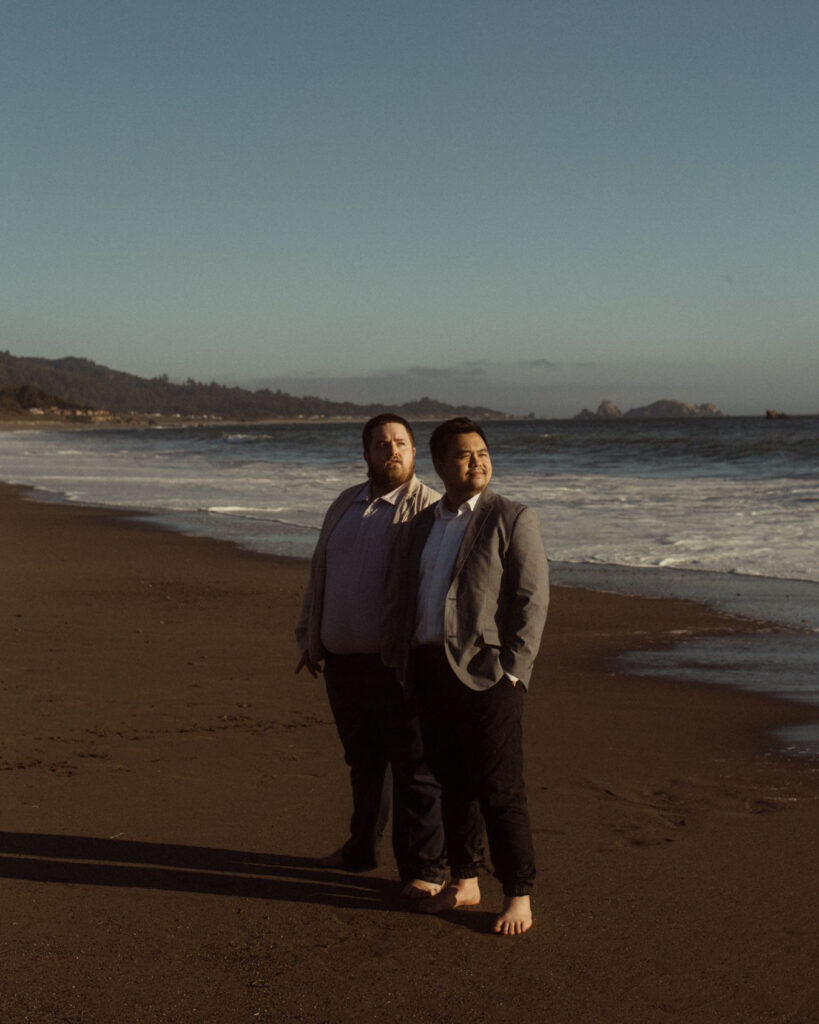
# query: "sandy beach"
{"type": "Point", "coordinates": [165, 781]}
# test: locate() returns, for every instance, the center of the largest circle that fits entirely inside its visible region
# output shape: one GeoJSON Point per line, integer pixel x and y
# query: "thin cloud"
{"type": "Point", "coordinates": [465, 372]}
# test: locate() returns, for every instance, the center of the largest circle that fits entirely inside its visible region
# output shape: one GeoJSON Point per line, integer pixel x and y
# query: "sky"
{"type": "Point", "coordinates": [531, 206]}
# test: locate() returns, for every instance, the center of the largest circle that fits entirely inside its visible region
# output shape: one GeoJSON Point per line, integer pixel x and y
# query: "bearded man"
{"type": "Point", "coordinates": [345, 623]}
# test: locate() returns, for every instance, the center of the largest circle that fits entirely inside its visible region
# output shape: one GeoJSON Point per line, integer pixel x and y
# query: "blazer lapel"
{"type": "Point", "coordinates": [474, 530]}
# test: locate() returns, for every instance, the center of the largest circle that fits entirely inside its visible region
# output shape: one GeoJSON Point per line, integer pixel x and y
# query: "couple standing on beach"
{"type": "Point", "coordinates": [427, 613]}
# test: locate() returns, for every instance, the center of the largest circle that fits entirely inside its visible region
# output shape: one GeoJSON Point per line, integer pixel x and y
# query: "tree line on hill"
{"type": "Point", "coordinates": [82, 384]}
{"type": "Point", "coordinates": [14, 401]}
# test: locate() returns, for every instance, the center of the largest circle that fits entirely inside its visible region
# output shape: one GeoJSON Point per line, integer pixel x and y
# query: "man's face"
{"type": "Point", "coordinates": [390, 457]}
{"type": "Point", "coordinates": [466, 469]}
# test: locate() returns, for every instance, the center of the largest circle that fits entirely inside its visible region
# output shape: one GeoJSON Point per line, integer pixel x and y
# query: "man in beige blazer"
{"type": "Point", "coordinates": [343, 625]}
{"type": "Point", "coordinates": [475, 591]}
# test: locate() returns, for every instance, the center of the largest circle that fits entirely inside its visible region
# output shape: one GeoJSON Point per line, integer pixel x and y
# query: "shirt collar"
{"type": "Point", "coordinates": [467, 508]}
{"type": "Point", "coordinates": [391, 499]}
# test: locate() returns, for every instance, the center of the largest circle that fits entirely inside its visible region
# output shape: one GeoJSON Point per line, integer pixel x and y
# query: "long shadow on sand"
{"type": "Point", "coordinates": [119, 863]}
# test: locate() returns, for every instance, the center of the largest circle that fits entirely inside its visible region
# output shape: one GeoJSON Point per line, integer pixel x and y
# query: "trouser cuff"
{"type": "Point", "coordinates": [517, 890]}
{"type": "Point", "coordinates": [470, 871]}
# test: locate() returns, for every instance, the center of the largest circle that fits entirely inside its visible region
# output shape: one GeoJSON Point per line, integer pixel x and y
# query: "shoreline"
{"type": "Point", "coordinates": [141, 421]}
{"type": "Point", "coordinates": [778, 655]}
{"type": "Point", "coordinates": [765, 600]}
{"type": "Point", "coordinates": [167, 779]}
{"type": "Point", "coordinates": [147, 421]}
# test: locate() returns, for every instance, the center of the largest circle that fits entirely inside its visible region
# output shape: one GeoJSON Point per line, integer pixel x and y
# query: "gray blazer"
{"type": "Point", "coordinates": [308, 629]}
{"type": "Point", "coordinates": [497, 600]}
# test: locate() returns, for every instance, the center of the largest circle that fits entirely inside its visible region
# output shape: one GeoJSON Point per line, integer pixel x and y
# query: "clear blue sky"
{"type": "Point", "coordinates": [531, 205]}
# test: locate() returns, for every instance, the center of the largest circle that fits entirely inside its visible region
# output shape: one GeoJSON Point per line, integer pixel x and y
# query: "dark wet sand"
{"type": "Point", "coordinates": [166, 779]}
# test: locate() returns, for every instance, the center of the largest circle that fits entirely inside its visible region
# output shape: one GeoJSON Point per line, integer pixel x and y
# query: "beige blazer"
{"type": "Point", "coordinates": [308, 630]}
{"type": "Point", "coordinates": [498, 597]}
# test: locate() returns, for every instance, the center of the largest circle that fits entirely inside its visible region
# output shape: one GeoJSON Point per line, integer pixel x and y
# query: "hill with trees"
{"type": "Point", "coordinates": [83, 384]}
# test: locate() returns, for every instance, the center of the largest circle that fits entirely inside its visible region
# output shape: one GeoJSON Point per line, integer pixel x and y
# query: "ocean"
{"type": "Point", "coordinates": [722, 510]}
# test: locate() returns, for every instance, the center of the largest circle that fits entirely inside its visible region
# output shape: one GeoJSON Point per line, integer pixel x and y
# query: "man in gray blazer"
{"type": "Point", "coordinates": [343, 624]}
{"type": "Point", "coordinates": [475, 590]}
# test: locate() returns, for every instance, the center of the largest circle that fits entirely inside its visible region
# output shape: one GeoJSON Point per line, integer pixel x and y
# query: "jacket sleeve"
{"type": "Point", "coordinates": [526, 583]}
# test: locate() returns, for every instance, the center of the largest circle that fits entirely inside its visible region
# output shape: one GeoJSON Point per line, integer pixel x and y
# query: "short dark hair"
{"type": "Point", "coordinates": [439, 441]}
{"type": "Point", "coordinates": [379, 420]}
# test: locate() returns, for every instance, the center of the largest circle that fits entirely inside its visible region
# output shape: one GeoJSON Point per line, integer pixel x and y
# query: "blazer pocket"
{"type": "Point", "coordinates": [490, 637]}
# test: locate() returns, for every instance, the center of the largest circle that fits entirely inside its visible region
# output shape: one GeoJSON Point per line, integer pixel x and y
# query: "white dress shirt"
{"type": "Point", "coordinates": [437, 563]}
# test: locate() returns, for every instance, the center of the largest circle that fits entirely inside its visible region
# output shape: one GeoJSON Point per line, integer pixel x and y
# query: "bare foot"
{"type": "Point", "coordinates": [464, 892]}
{"type": "Point", "coordinates": [516, 916]}
{"type": "Point", "coordinates": [419, 889]}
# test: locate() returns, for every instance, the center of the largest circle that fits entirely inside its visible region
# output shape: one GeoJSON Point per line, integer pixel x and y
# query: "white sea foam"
{"type": "Point", "coordinates": [722, 525]}
{"type": "Point", "coordinates": [700, 520]}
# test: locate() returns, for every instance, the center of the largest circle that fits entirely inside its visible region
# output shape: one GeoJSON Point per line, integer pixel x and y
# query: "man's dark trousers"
{"type": "Point", "coordinates": [473, 741]}
{"type": "Point", "coordinates": [379, 731]}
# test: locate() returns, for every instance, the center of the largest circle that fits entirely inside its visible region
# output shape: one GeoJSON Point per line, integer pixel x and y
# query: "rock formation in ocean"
{"type": "Point", "coordinates": [605, 411]}
{"type": "Point", "coordinates": [665, 409]}
{"type": "Point", "coordinates": [670, 409]}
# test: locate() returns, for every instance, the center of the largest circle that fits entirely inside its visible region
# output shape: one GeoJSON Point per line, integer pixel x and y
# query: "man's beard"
{"type": "Point", "coordinates": [392, 475]}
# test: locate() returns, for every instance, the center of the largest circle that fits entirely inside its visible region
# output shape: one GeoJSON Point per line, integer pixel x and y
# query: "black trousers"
{"type": "Point", "coordinates": [381, 736]}
{"type": "Point", "coordinates": [473, 741]}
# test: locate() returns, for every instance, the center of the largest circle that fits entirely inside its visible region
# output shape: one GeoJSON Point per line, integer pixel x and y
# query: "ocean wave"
{"type": "Point", "coordinates": [624, 515]}
{"type": "Point", "coordinates": [247, 438]}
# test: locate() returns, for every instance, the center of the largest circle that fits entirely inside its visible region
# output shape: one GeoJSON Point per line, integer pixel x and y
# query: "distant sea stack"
{"type": "Point", "coordinates": [669, 409]}
{"type": "Point", "coordinates": [605, 411]}
{"type": "Point", "coordinates": [665, 409]}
